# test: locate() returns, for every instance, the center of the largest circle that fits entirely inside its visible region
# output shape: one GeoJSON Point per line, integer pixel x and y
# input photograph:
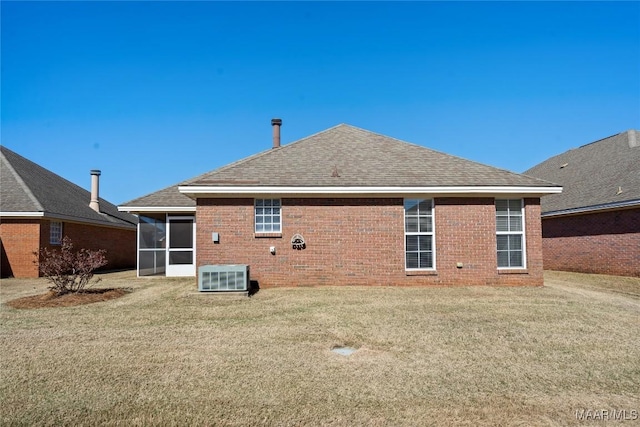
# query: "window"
{"type": "Point", "coordinates": [510, 233]}
{"type": "Point", "coordinates": [55, 232]}
{"type": "Point", "coordinates": [268, 216]}
{"type": "Point", "coordinates": [418, 234]}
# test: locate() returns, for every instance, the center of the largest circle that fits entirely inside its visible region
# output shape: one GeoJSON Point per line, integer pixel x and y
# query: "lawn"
{"type": "Point", "coordinates": [166, 355]}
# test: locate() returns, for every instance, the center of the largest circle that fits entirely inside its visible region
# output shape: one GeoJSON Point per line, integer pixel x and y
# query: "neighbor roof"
{"type": "Point", "coordinates": [343, 156]}
{"type": "Point", "coordinates": [604, 173]}
{"type": "Point", "coordinates": [28, 189]}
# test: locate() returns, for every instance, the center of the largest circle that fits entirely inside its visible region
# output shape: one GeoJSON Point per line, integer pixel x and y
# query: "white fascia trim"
{"type": "Point", "coordinates": [22, 214]}
{"type": "Point", "coordinates": [156, 209]}
{"type": "Point", "coordinates": [595, 208]}
{"type": "Point", "coordinates": [246, 190]}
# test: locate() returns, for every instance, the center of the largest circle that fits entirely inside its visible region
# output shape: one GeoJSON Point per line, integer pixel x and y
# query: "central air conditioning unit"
{"type": "Point", "coordinates": [223, 278]}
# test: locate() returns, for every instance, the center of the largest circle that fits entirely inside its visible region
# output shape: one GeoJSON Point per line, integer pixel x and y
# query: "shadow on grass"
{"type": "Point", "coordinates": [254, 287]}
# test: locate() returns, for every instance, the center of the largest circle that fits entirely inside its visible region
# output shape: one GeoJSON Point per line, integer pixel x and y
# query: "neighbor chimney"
{"type": "Point", "coordinates": [276, 123]}
{"type": "Point", "coordinates": [95, 190]}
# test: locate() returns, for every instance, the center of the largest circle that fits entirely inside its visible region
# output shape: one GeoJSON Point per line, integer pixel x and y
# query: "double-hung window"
{"type": "Point", "coordinates": [267, 216]}
{"type": "Point", "coordinates": [510, 233]}
{"type": "Point", "coordinates": [418, 234]}
{"type": "Point", "coordinates": [55, 232]}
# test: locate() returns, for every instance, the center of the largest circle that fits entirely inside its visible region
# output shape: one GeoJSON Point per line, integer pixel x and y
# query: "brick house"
{"type": "Point", "coordinates": [38, 208]}
{"type": "Point", "coordinates": [594, 225]}
{"type": "Point", "coordinates": [348, 206]}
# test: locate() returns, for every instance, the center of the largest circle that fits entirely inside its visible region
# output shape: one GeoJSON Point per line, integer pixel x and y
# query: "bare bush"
{"type": "Point", "coordinates": [69, 270]}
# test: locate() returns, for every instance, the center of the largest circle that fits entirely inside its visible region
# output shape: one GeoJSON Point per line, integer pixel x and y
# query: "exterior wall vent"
{"type": "Point", "coordinates": [223, 278]}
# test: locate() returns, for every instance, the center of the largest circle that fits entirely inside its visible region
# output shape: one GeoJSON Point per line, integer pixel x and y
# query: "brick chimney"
{"type": "Point", "coordinates": [276, 123]}
{"type": "Point", "coordinates": [95, 190]}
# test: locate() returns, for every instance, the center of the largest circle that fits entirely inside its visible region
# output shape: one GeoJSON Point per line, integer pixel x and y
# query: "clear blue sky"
{"type": "Point", "coordinates": [154, 93]}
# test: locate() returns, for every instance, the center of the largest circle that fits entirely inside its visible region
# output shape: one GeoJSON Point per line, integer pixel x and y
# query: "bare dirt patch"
{"type": "Point", "coordinates": [51, 299]}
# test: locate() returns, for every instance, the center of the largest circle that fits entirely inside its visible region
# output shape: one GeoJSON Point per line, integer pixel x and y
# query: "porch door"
{"type": "Point", "coordinates": [181, 257]}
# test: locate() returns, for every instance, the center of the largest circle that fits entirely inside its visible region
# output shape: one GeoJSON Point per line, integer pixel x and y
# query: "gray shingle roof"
{"type": "Point", "coordinates": [167, 197]}
{"type": "Point", "coordinates": [28, 187]}
{"type": "Point", "coordinates": [600, 173]}
{"type": "Point", "coordinates": [359, 157]}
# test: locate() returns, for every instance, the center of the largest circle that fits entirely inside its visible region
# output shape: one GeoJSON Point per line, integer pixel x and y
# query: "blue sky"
{"type": "Point", "coordinates": [154, 93]}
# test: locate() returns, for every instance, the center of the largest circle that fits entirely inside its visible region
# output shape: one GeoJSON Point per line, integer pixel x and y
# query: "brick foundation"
{"type": "Point", "coordinates": [603, 243]}
{"type": "Point", "coordinates": [360, 241]}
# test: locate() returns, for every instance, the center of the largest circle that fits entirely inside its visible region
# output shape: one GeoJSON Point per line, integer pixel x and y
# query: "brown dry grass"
{"type": "Point", "coordinates": [166, 355]}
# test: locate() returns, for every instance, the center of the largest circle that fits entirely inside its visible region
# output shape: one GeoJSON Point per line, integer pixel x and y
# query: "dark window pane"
{"type": "Point", "coordinates": [425, 224]}
{"type": "Point", "coordinates": [412, 260]}
{"type": "Point", "coordinates": [515, 259]}
{"type": "Point", "coordinates": [425, 243]}
{"type": "Point", "coordinates": [411, 224]}
{"type": "Point", "coordinates": [411, 206]}
{"type": "Point", "coordinates": [515, 206]}
{"type": "Point", "coordinates": [502, 223]}
{"type": "Point", "coordinates": [412, 243]}
{"type": "Point", "coordinates": [503, 259]}
{"type": "Point", "coordinates": [515, 242]}
{"type": "Point", "coordinates": [425, 207]}
{"type": "Point", "coordinates": [426, 260]}
{"type": "Point", "coordinates": [515, 223]}
{"type": "Point", "coordinates": [181, 233]}
{"type": "Point", "coordinates": [503, 243]}
{"type": "Point", "coordinates": [151, 262]}
{"type": "Point", "coordinates": [502, 207]}
{"type": "Point", "coordinates": [180, 257]}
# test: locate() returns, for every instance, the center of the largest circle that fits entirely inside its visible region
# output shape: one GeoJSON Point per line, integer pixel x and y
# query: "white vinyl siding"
{"type": "Point", "coordinates": [418, 234]}
{"type": "Point", "coordinates": [510, 235]}
{"type": "Point", "coordinates": [267, 216]}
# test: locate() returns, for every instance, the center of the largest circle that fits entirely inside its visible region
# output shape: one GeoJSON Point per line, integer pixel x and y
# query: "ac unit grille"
{"type": "Point", "coordinates": [223, 278]}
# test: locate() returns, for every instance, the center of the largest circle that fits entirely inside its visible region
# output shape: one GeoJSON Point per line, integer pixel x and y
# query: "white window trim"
{"type": "Point", "coordinates": [413, 233]}
{"type": "Point", "coordinates": [255, 223]}
{"type": "Point", "coordinates": [523, 233]}
{"type": "Point", "coordinates": [57, 238]}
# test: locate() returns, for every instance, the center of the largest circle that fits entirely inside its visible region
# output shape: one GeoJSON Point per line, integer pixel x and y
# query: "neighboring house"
{"type": "Point", "coordinates": [348, 206]}
{"type": "Point", "coordinates": [594, 225]}
{"type": "Point", "coordinates": [38, 208]}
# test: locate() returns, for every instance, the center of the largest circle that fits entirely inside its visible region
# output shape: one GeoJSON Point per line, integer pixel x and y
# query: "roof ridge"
{"type": "Point", "coordinates": [447, 154]}
{"type": "Point", "coordinates": [254, 156]}
{"type": "Point", "coordinates": [18, 178]}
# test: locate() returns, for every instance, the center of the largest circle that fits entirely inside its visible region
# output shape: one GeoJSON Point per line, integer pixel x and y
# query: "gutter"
{"type": "Point", "coordinates": [595, 208]}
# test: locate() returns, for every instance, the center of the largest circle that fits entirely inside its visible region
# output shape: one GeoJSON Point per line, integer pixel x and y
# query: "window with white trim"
{"type": "Point", "coordinates": [510, 233]}
{"type": "Point", "coordinates": [418, 234]}
{"type": "Point", "coordinates": [267, 216]}
{"type": "Point", "coordinates": [55, 232]}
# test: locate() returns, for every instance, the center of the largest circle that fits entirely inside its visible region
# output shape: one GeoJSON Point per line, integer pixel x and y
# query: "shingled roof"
{"type": "Point", "coordinates": [27, 188]}
{"type": "Point", "coordinates": [344, 156]}
{"type": "Point", "coordinates": [604, 173]}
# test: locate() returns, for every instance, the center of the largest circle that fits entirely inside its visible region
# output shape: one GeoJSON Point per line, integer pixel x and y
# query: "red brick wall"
{"type": "Point", "coordinates": [361, 242]}
{"type": "Point", "coordinates": [20, 239]}
{"type": "Point", "coordinates": [604, 243]}
{"type": "Point", "coordinates": [120, 244]}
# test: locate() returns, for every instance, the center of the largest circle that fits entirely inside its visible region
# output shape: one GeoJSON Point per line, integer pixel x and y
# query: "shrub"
{"type": "Point", "coordinates": [69, 270]}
